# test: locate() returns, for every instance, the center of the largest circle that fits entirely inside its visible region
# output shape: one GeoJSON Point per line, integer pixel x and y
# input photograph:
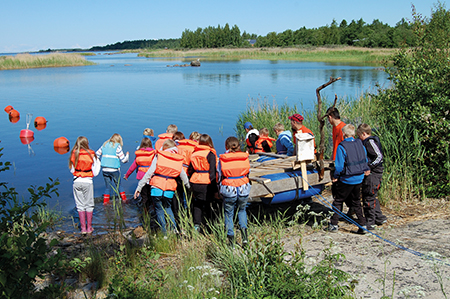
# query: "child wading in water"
{"type": "Point", "coordinates": [84, 165]}
{"type": "Point", "coordinates": [111, 155]}
{"type": "Point", "coordinates": [233, 169]}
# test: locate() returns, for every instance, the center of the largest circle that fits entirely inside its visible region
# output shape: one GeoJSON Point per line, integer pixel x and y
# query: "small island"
{"type": "Point", "coordinates": [25, 61]}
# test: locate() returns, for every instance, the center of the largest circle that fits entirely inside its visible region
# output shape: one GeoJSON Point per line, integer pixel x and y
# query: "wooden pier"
{"type": "Point", "coordinates": [266, 188]}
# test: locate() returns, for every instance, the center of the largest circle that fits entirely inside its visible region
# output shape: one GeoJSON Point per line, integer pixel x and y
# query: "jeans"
{"type": "Point", "coordinates": [112, 182]}
{"type": "Point", "coordinates": [230, 203]}
{"type": "Point", "coordinates": [162, 207]}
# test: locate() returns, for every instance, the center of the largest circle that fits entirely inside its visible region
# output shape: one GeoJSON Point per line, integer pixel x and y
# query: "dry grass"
{"type": "Point", "coordinates": [25, 61]}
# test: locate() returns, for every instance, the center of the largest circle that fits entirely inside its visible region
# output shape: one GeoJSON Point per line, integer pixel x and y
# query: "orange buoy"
{"type": "Point", "coordinates": [26, 140]}
{"type": "Point", "coordinates": [61, 150]}
{"type": "Point", "coordinates": [40, 127]}
{"type": "Point", "coordinates": [25, 133]}
{"type": "Point", "coordinates": [8, 108]}
{"type": "Point", "coordinates": [14, 113]}
{"type": "Point", "coordinates": [39, 121]}
{"type": "Point", "coordinates": [61, 142]}
{"type": "Point", "coordinates": [14, 119]}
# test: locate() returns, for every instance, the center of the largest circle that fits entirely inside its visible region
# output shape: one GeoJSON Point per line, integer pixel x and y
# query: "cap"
{"type": "Point", "coordinates": [296, 117]}
{"type": "Point", "coordinates": [247, 125]}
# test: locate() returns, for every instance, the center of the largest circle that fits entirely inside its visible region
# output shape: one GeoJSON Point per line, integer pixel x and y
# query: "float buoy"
{"type": "Point", "coordinates": [61, 142]}
{"type": "Point", "coordinates": [8, 108]}
{"type": "Point", "coordinates": [26, 140]}
{"type": "Point", "coordinates": [40, 127]}
{"type": "Point", "coordinates": [39, 121]}
{"type": "Point", "coordinates": [14, 113]}
{"type": "Point", "coordinates": [14, 119]}
{"type": "Point", "coordinates": [61, 150]}
{"type": "Point", "coordinates": [25, 133]}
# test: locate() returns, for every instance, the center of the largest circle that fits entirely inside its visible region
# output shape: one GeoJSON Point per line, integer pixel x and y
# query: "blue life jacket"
{"type": "Point", "coordinates": [356, 160]}
{"type": "Point", "coordinates": [287, 137]}
{"type": "Point", "coordinates": [109, 158]}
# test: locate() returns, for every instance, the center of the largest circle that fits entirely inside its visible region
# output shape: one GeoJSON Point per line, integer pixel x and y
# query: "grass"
{"type": "Point", "coordinates": [338, 54]}
{"type": "Point", "coordinates": [26, 61]}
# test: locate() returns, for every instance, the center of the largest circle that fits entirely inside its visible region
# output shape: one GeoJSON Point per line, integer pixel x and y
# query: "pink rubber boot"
{"type": "Point", "coordinates": [89, 222]}
{"type": "Point", "coordinates": [82, 215]}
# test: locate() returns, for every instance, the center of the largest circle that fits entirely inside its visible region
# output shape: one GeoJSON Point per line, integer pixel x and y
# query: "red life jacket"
{"type": "Point", "coordinates": [168, 167]}
{"type": "Point", "coordinates": [200, 164]}
{"type": "Point", "coordinates": [144, 159]}
{"type": "Point", "coordinates": [235, 168]}
{"type": "Point", "coordinates": [162, 137]}
{"type": "Point", "coordinates": [261, 139]}
{"type": "Point", "coordinates": [186, 148]}
{"type": "Point", "coordinates": [83, 168]}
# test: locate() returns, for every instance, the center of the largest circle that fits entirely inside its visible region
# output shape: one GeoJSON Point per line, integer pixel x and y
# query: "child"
{"type": "Point", "coordinates": [84, 165]}
{"type": "Point", "coordinates": [284, 142]}
{"type": "Point", "coordinates": [233, 169]}
{"type": "Point", "coordinates": [194, 136]}
{"type": "Point", "coordinates": [264, 142]}
{"type": "Point", "coordinates": [148, 133]}
{"type": "Point", "coordinates": [372, 182]}
{"type": "Point", "coordinates": [251, 137]}
{"type": "Point", "coordinates": [166, 167]}
{"type": "Point", "coordinates": [202, 171]}
{"type": "Point", "coordinates": [111, 155]}
{"type": "Point", "coordinates": [171, 129]}
{"type": "Point", "coordinates": [143, 160]}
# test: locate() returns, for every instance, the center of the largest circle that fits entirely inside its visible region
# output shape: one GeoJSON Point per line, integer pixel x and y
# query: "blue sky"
{"type": "Point", "coordinates": [30, 25]}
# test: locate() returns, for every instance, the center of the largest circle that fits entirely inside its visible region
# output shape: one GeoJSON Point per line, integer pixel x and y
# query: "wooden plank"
{"type": "Point", "coordinates": [259, 190]}
{"type": "Point", "coordinates": [304, 175]}
{"type": "Point", "coordinates": [260, 180]}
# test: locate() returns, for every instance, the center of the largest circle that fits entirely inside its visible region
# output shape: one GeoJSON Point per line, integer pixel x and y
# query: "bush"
{"type": "Point", "coordinates": [24, 252]}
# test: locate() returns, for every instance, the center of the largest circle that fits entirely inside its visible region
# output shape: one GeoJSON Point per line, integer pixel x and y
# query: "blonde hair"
{"type": "Point", "coordinates": [168, 144]}
{"type": "Point", "coordinates": [364, 128]}
{"type": "Point", "coordinates": [194, 136]}
{"type": "Point", "coordinates": [115, 138]}
{"type": "Point", "coordinates": [171, 129]}
{"type": "Point", "coordinates": [264, 132]}
{"type": "Point", "coordinates": [148, 132]}
{"type": "Point", "coordinates": [349, 130]}
{"type": "Point", "coordinates": [232, 144]}
{"type": "Point", "coordinates": [82, 143]}
{"type": "Point", "coordinates": [278, 127]}
{"type": "Point", "coordinates": [205, 139]}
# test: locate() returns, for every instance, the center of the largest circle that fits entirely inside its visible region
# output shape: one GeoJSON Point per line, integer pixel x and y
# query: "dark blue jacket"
{"type": "Point", "coordinates": [351, 161]}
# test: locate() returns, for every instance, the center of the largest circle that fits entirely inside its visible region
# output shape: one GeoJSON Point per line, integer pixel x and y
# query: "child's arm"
{"type": "Point", "coordinates": [96, 166]}
{"type": "Point", "coordinates": [130, 170]}
{"type": "Point", "coordinates": [148, 175]}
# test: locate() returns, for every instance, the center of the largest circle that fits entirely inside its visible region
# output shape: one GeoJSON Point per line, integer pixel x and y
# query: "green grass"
{"type": "Point", "coordinates": [26, 61]}
{"type": "Point", "coordinates": [323, 54]}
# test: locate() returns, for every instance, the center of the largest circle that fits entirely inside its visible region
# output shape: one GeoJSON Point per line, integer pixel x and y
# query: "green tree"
{"type": "Point", "coordinates": [420, 96]}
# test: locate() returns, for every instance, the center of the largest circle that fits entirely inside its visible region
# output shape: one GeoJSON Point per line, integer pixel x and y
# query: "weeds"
{"type": "Point", "coordinates": [25, 61]}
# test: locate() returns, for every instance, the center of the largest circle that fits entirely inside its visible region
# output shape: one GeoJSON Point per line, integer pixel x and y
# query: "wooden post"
{"type": "Point", "coordinates": [304, 176]}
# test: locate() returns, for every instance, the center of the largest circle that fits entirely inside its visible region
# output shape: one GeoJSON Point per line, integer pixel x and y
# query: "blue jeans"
{"type": "Point", "coordinates": [163, 206]}
{"type": "Point", "coordinates": [230, 203]}
{"type": "Point", "coordinates": [112, 182]}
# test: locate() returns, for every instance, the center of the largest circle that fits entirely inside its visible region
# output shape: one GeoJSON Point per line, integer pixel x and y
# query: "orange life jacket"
{"type": "Point", "coordinates": [186, 148]}
{"type": "Point", "coordinates": [235, 168]}
{"type": "Point", "coordinates": [168, 167]}
{"type": "Point", "coordinates": [261, 139]}
{"type": "Point", "coordinates": [144, 159]}
{"type": "Point", "coordinates": [162, 137]}
{"type": "Point", "coordinates": [200, 164]}
{"type": "Point", "coordinates": [83, 168]}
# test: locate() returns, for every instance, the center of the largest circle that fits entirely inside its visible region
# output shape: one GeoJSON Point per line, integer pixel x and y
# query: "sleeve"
{"type": "Point", "coordinates": [374, 151]}
{"type": "Point", "coordinates": [339, 162]}
{"type": "Point", "coordinates": [96, 166]}
{"type": "Point", "coordinates": [123, 158]}
{"type": "Point", "coordinates": [184, 178]}
{"type": "Point", "coordinates": [212, 166]}
{"type": "Point", "coordinates": [287, 143]}
{"type": "Point", "coordinates": [131, 169]}
{"type": "Point", "coordinates": [98, 153]}
{"type": "Point", "coordinates": [148, 175]}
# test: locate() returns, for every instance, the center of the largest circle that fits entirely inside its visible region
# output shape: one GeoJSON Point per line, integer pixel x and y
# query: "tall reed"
{"type": "Point", "coordinates": [25, 61]}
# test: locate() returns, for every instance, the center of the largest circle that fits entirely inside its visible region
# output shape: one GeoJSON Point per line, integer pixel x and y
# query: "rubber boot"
{"type": "Point", "coordinates": [105, 199]}
{"type": "Point", "coordinates": [244, 237]}
{"type": "Point", "coordinates": [89, 228]}
{"type": "Point", "coordinates": [123, 196]}
{"type": "Point", "coordinates": [82, 215]}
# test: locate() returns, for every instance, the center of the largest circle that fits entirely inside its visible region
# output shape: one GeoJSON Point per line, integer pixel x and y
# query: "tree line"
{"type": "Point", "coordinates": [171, 43]}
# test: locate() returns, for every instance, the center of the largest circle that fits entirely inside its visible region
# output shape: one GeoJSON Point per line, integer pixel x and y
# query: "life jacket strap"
{"type": "Point", "coordinates": [202, 171]}
{"type": "Point", "coordinates": [164, 176]}
{"type": "Point", "coordinates": [235, 177]}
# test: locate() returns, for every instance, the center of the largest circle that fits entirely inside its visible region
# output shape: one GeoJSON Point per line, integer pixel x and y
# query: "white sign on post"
{"type": "Point", "coordinates": [305, 146]}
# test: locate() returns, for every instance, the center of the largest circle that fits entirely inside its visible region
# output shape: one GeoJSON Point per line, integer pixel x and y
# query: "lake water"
{"type": "Point", "coordinates": [125, 94]}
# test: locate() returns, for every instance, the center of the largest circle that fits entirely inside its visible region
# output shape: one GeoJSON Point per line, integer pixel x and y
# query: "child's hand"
{"type": "Point", "coordinates": [136, 194]}
{"type": "Point", "coordinates": [125, 177]}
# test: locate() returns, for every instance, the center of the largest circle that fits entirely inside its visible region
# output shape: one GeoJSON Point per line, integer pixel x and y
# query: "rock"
{"type": "Point", "coordinates": [195, 63]}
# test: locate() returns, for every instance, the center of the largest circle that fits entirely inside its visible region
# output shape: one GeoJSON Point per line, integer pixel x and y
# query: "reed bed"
{"type": "Point", "coordinates": [318, 54]}
{"type": "Point", "coordinates": [26, 61]}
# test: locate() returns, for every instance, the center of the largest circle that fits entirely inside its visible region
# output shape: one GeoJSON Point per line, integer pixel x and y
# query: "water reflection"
{"type": "Point", "coordinates": [213, 78]}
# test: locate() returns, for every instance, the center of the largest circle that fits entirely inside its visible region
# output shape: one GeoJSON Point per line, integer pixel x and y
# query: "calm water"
{"type": "Point", "coordinates": [125, 94]}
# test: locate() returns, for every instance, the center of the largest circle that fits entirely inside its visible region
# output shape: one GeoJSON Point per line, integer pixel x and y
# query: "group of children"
{"type": "Point", "coordinates": [166, 167]}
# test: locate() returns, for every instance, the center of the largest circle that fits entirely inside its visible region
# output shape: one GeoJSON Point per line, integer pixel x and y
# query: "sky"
{"type": "Point", "coordinates": [30, 25]}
